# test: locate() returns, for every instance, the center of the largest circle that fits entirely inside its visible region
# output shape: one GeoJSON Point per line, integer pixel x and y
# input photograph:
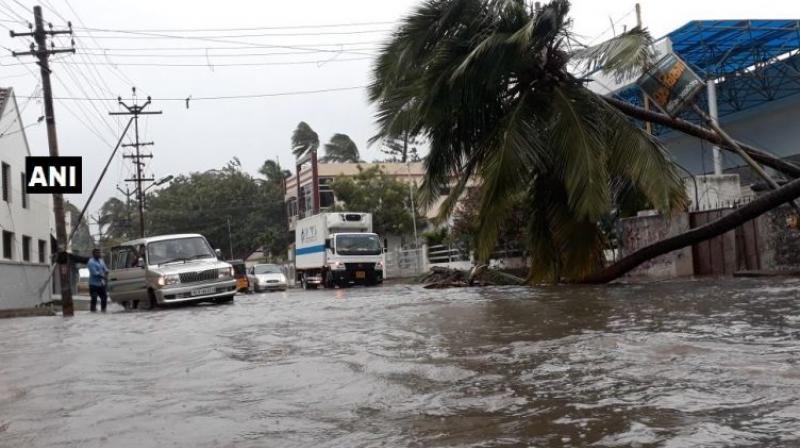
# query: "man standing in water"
{"type": "Point", "coordinates": [97, 280]}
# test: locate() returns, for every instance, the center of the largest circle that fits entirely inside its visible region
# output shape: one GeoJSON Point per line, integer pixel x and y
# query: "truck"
{"type": "Point", "coordinates": [337, 249]}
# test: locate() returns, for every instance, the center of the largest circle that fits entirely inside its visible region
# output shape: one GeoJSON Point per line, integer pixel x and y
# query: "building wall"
{"type": "Point", "coordinates": [706, 192]}
{"type": "Point", "coordinates": [772, 126]}
{"type": "Point", "coordinates": [20, 281]}
{"type": "Point", "coordinates": [641, 231]}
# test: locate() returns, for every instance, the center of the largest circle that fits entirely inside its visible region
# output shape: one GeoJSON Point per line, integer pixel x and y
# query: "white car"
{"type": "Point", "coordinates": [267, 277]}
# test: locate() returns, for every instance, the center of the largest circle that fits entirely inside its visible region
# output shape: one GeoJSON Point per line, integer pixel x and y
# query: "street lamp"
{"type": "Point", "coordinates": [160, 182]}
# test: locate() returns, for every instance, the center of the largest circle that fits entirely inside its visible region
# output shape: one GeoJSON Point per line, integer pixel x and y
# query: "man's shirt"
{"type": "Point", "coordinates": [97, 271]}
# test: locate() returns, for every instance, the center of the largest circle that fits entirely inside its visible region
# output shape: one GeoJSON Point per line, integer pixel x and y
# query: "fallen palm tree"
{"type": "Point", "coordinates": [727, 223]}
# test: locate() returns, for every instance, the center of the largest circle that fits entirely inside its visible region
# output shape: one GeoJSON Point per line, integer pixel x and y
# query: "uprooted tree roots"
{"type": "Point", "coordinates": [439, 278]}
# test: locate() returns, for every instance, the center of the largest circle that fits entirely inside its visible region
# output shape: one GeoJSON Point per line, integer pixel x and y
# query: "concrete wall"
{"type": "Point", "coordinates": [771, 126]}
{"type": "Point", "coordinates": [20, 285]}
{"type": "Point", "coordinates": [779, 242]}
{"type": "Point", "coordinates": [638, 232]}
{"type": "Point", "coordinates": [711, 192]}
{"type": "Point", "coordinates": [19, 280]}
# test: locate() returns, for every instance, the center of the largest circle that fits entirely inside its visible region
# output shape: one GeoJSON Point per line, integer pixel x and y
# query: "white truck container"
{"type": "Point", "coordinates": [337, 249]}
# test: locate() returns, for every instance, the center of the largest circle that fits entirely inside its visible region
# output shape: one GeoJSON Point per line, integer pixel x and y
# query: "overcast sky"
{"type": "Point", "coordinates": [211, 132]}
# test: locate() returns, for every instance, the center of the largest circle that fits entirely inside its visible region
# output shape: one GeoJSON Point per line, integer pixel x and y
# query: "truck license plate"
{"type": "Point", "coordinates": [203, 291]}
{"type": "Point", "coordinates": [361, 274]}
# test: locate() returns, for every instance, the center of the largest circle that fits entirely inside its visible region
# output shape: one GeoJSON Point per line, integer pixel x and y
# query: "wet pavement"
{"type": "Point", "coordinates": [705, 363]}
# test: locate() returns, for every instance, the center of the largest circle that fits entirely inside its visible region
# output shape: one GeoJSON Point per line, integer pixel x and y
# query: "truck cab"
{"type": "Point", "coordinates": [353, 258]}
{"type": "Point", "coordinates": [337, 249]}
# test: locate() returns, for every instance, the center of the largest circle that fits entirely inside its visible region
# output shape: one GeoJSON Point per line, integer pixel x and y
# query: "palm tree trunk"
{"type": "Point", "coordinates": [686, 127]}
{"type": "Point", "coordinates": [727, 223]}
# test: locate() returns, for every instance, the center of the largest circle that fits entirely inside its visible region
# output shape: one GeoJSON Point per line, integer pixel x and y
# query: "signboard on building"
{"type": "Point", "coordinates": [670, 84]}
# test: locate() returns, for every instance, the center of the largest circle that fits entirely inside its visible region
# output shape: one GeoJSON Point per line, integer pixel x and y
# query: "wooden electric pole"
{"type": "Point", "coordinates": [42, 53]}
{"type": "Point", "coordinates": [647, 125]}
{"type": "Point", "coordinates": [137, 156]}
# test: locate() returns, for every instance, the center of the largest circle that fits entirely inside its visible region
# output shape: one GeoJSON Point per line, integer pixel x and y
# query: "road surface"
{"type": "Point", "coordinates": [668, 364]}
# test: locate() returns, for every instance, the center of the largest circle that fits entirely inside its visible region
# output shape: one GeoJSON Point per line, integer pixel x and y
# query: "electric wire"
{"type": "Point", "coordinates": [225, 97]}
{"type": "Point", "coordinates": [281, 27]}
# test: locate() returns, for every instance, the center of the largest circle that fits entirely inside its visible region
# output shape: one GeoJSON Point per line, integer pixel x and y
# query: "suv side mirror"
{"type": "Point", "coordinates": [219, 254]}
{"type": "Point", "coordinates": [328, 243]}
{"type": "Point", "coordinates": [140, 262]}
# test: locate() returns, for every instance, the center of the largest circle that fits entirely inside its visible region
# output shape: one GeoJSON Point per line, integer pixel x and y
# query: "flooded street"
{"type": "Point", "coordinates": [711, 363]}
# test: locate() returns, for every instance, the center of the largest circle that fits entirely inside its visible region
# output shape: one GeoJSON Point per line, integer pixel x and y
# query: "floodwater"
{"type": "Point", "coordinates": [702, 363]}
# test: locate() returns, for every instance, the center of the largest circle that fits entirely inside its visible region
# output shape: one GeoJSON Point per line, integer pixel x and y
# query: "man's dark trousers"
{"type": "Point", "coordinates": [95, 291]}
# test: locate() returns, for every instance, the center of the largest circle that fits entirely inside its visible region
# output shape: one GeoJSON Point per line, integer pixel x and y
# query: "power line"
{"type": "Point", "coordinates": [227, 64]}
{"type": "Point", "coordinates": [282, 27]}
{"type": "Point", "coordinates": [216, 40]}
{"type": "Point", "coordinates": [303, 46]}
{"type": "Point", "coordinates": [222, 97]}
{"type": "Point", "coordinates": [218, 55]}
{"type": "Point", "coordinates": [143, 35]}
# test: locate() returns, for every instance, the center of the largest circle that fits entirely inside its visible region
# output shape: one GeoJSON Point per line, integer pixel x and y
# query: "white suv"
{"type": "Point", "coordinates": [168, 269]}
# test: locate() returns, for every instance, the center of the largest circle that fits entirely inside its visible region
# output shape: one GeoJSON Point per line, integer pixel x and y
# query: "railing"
{"type": "Point", "coordinates": [446, 254]}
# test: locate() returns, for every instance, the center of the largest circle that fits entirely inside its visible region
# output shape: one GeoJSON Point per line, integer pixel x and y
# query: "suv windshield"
{"type": "Point", "coordinates": [358, 244]}
{"type": "Point", "coordinates": [181, 249]}
{"type": "Point", "coordinates": [267, 269]}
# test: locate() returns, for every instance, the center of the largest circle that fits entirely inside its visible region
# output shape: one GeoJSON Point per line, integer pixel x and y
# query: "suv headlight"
{"type": "Point", "coordinates": [225, 273]}
{"type": "Point", "coordinates": [379, 266]}
{"type": "Point", "coordinates": [169, 279]}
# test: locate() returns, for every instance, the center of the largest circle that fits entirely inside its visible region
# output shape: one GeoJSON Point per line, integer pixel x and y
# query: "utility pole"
{"type": "Point", "coordinates": [42, 53]}
{"type": "Point", "coordinates": [648, 127]}
{"type": "Point", "coordinates": [230, 240]}
{"type": "Point", "coordinates": [137, 156]}
{"type": "Point", "coordinates": [413, 209]}
{"type": "Point", "coordinates": [127, 193]}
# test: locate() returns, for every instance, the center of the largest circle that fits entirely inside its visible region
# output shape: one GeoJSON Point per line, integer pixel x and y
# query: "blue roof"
{"type": "Point", "coordinates": [718, 47]}
{"type": "Point", "coordinates": [755, 61]}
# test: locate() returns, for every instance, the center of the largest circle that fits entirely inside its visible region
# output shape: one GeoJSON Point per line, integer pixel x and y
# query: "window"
{"type": "Point", "coordinates": [8, 245]}
{"type": "Point", "coordinates": [26, 248]}
{"type": "Point", "coordinates": [22, 190]}
{"type": "Point", "coordinates": [5, 172]}
{"type": "Point", "coordinates": [291, 207]}
{"type": "Point", "coordinates": [42, 251]}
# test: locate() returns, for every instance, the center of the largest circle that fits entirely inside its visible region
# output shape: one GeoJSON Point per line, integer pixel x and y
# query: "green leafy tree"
{"type": "Point", "coordinates": [82, 241]}
{"type": "Point", "coordinates": [401, 143]}
{"type": "Point", "coordinates": [487, 82]}
{"type": "Point", "coordinates": [304, 139]}
{"type": "Point", "coordinates": [116, 221]}
{"type": "Point", "coordinates": [274, 173]}
{"type": "Point", "coordinates": [205, 202]}
{"type": "Point", "coordinates": [466, 222]}
{"type": "Point", "coordinates": [374, 191]}
{"type": "Point", "coordinates": [341, 149]}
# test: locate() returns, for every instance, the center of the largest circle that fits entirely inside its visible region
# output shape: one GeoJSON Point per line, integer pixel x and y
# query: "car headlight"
{"type": "Point", "coordinates": [169, 279]}
{"type": "Point", "coordinates": [337, 266]}
{"type": "Point", "coordinates": [225, 273]}
{"type": "Point", "coordinates": [283, 278]}
{"type": "Point", "coordinates": [379, 266]}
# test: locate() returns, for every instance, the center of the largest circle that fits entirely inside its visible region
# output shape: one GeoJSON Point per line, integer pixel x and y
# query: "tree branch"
{"type": "Point", "coordinates": [728, 222]}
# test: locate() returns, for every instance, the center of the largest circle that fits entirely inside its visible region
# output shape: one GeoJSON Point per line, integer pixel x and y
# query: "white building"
{"type": "Point", "coordinates": [24, 219]}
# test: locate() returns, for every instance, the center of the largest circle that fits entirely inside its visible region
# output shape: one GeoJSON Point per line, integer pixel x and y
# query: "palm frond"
{"type": "Point", "coordinates": [623, 56]}
{"type": "Point", "coordinates": [577, 140]}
